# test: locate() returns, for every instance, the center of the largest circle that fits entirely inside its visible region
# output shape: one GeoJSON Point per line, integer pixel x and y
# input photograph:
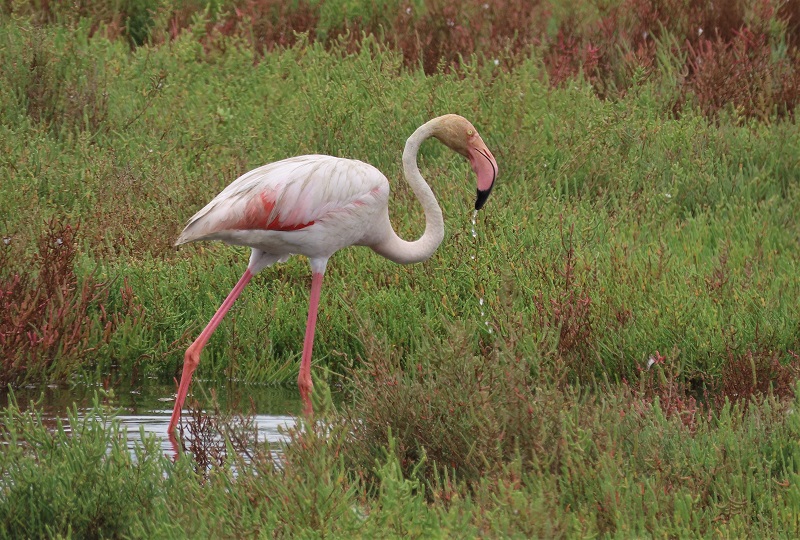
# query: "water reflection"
{"type": "Point", "coordinates": [148, 408]}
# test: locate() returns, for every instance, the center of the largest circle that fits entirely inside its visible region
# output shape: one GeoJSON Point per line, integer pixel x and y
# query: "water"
{"type": "Point", "coordinates": [480, 298]}
{"type": "Point", "coordinates": [474, 221]}
{"type": "Point", "coordinates": [149, 407]}
{"type": "Point", "coordinates": [474, 232]}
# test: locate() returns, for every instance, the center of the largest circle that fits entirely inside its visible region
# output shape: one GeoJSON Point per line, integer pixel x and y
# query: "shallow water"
{"type": "Point", "coordinates": [148, 407]}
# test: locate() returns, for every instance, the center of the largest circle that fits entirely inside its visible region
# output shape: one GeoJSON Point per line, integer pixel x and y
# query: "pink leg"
{"type": "Point", "coordinates": [304, 379]}
{"type": "Point", "coordinates": [192, 357]}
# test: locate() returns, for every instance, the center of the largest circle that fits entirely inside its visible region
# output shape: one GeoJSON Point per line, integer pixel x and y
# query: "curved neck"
{"type": "Point", "coordinates": [392, 246]}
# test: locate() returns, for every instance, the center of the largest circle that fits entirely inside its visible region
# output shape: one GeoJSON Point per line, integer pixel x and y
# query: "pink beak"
{"type": "Point", "coordinates": [485, 167]}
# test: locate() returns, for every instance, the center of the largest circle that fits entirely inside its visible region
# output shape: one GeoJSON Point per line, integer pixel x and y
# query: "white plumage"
{"type": "Point", "coordinates": [310, 205]}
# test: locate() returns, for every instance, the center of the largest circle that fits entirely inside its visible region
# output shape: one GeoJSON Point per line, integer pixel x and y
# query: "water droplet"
{"type": "Point", "coordinates": [474, 221]}
{"type": "Point", "coordinates": [481, 301]}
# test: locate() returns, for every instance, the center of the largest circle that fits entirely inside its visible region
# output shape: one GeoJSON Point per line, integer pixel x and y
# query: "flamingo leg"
{"type": "Point", "coordinates": [192, 357]}
{"type": "Point", "coordinates": [304, 378]}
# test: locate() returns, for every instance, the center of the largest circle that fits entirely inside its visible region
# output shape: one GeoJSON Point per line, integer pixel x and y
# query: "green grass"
{"type": "Point", "coordinates": [617, 230]}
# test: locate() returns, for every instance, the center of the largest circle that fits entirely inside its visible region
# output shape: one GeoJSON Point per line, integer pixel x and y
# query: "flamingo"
{"type": "Point", "coordinates": [315, 205]}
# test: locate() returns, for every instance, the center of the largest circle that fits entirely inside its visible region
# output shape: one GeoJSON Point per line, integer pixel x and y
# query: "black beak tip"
{"type": "Point", "coordinates": [482, 196]}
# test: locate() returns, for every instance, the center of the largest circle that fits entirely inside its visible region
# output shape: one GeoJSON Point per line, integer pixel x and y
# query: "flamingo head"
{"type": "Point", "coordinates": [461, 136]}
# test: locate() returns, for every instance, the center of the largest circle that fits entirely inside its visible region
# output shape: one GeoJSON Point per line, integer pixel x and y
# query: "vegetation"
{"type": "Point", "coordinates": [614, 355]}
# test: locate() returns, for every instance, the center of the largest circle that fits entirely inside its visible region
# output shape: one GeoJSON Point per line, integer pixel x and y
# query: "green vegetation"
{"type": "Point", "coordinates": [645, 210]}
{"type": "Point", "coordinates": [594, 467]}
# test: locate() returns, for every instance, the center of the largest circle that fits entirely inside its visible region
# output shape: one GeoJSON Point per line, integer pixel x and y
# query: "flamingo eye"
{"type": "Point", "coordinates": [470, 132]}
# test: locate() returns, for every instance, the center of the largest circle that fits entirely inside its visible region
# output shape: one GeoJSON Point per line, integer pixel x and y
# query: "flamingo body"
{"type": "Point", "coordinates": [307, 205]}
{"type": "Point", "coordinates": [315, 205]}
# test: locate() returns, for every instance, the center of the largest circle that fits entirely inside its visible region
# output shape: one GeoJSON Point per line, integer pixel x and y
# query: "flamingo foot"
{"type": "Point", "coordinates": [305, 385]}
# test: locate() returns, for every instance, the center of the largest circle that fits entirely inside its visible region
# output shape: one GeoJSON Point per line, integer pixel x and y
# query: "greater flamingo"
{"type": "Point", "coordinates": [315, 205]}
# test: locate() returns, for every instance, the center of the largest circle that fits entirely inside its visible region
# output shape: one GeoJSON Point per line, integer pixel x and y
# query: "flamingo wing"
{"type": "Point", "coordinates": [287, 195]}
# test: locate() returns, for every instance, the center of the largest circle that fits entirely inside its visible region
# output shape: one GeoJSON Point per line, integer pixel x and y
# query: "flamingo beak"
{"type": "Point", "coordinates": [485, 167]}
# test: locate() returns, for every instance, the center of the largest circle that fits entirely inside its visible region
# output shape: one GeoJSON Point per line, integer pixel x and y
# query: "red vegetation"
{"type": "Point", "coordinates": [49, 321]}
{"type": "Point", "coordinates": [735, 55]}
{"type": "Point", "coordinates": [755, 370]}
{"type": "Point", "coordinates": [677, 398]}
{"type": "Point", "coordinates": [729, 48]}
{"type": "Point", "coordinates": [568, 311]}
{"type": "Point", "coordinates": [741, 75]}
